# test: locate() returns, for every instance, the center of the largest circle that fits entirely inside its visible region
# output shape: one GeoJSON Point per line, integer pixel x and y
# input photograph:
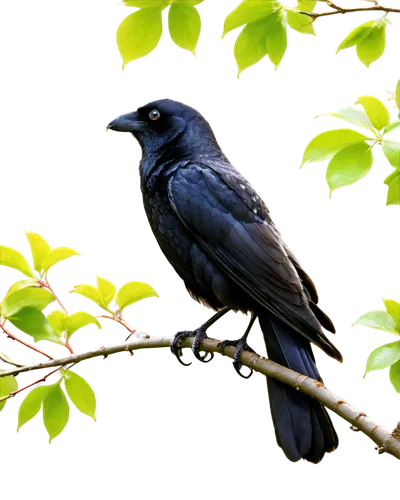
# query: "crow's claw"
{"type": "Point", "coordinates": [202, 357]}
{"type": "Point", "coordinates": [241, 345]}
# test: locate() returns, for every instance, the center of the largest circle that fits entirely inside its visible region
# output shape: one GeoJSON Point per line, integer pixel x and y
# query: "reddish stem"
{"type": "Point", "coordinates": [11, 336]}
{"type": "Point", "coordinates": [47, 285]}
{"type": "Point", "coordinates": [34, 382]}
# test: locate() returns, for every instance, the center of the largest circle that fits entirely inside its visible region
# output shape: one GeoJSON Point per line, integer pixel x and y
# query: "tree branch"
{"type": "Point", "coordinates": [341, 10]}
{"type": "Point", "coordinates": [387, 442]}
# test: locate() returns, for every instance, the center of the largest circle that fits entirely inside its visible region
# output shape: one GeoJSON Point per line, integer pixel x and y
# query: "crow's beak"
{"type": "Point", "coordinates": [127, 123]}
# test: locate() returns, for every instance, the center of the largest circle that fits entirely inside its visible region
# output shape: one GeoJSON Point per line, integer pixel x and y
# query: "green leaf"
{"type": "Point", "coordinates": [78, 320]}
{"type": "Point", "coordinates": [57, 320]}
{"type": "Point", "coordinates": [38, 298]}
{"type": "Point", "coordinates": [184, 26]}
{"type": "Point", "coordinates": [139, 34]}
{"type": "Point", "coordinates": [300, 22]}
{"type": "Point", "coordinates": [92, 293]}
{"type": "Point", "coordinates": [80, 393]}
{"type": "Point", "coordinates": [19, 285]}
{"type": "Point", "coordinates": [376, 111]}
{"type": "Point", "coordinates": [39, 248]}
{"type": "Point", "coordinates": [393, 126]}
{"type": "Point", "coordinates": [145, 4]}
{"type": "Point", "coordinates": [249, 11]}
{"type": "Point", "coordinates": [380, 320]}
{"type": "Point", "coordinates": [57, 255]}
{"type": "Point", "coordinates": [373, 45]}
{"type": "Point", "coordinates": [7, 386]}
{"type": "Point", "coordinates": [393, 308]}
{"type": "Point", "coordinates": [306, 5]}
{"type": "Point", "coordinates": [356, 36]}
{"type": "Point", "coordinates": [392, 153]}
{"type": "Point", "coordinates": [394, 374]}
{"type": "Point", "coordinates": [190, 2]}
{"type": "Point", "coordinates": [55, 411]}
{"type": "Point", "coordinates": [251, 45]}
{"type": "Point", "coordinates": [11, 258]}
{"type": "Point", "coordinates": [393, 181]}
{"type": "Point", "coordinates": [352, 115]}
{"type": "Point", "coordinates": [7, 359]}
{"type": "Point", "coordinates": [276, 38]}
{"type": "Point", "coordinates": [133, 292]}
{"type": "Point", "coordinates": [34, 323]}
{"type": "Point", "coordinates": [383, 357]}
{"type": "Point", "coordinates": [349, 165]}
{"type": "Point", "coordinates": [107, 290]}
{"type": "Point", "coordinates": [327, 144]}
{"type": "Point", "coordinates": [397, 94]}
{"type": "Point", "coordinates": [31, 405]}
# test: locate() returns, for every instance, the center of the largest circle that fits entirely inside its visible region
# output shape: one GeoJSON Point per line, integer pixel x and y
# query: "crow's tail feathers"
{"type": "Point", "coordinates": [303, 427]}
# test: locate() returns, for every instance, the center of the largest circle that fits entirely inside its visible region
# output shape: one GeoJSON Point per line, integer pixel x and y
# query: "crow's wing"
{"type": "Point", "coordinates": [232, 225]}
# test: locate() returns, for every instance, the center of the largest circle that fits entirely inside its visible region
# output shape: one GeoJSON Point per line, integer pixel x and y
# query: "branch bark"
{"type": "Point", "coordinates": [341, 10]}
{"type": "Point", "coordinates": [386, 441]}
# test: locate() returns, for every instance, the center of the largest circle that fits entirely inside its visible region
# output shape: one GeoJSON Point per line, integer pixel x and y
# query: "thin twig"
{"type": "Point", "coordinates": [341, 10]}
{"type": "Point", "coordinates": [12, 336]}
{"type": "Point", "coordinates": [386, 441]}
{"type": "Point", "coordinates": [47, 285]}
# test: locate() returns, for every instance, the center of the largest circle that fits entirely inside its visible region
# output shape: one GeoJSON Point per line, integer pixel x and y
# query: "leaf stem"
{"type": "Point", "coordinates": [47, 285]}
{"type": "Point", "coordinates": [13, 337]}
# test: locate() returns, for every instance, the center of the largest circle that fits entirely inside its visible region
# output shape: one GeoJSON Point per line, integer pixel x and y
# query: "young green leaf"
{"type": "Point", "coordinates": [251, 45]}
{"type": "Point", "coordinates": [397, 95]}
{"type": "Point", "coordinates": [37, 298]}
{"type": "Point", "coordinates": [276, 38]}
{"type": "Point", "coordinates": [393, 308]}
{"type": "Point", "coordinates": [92, 293]}
{"type": "Point", "coordinates": [133, 292]}
{"type": "Point", "coordinates": [31, 405]}
{"type": "Point", "coordinates": [80, 393]}
{"type": "Point", "coordinates": [7, 386]}
{"type": "Point", "coordinates": [34, 323]}
{"type": "Point", "coordinates": [306, 5]}
{"type": "Point", "coordinates": [394, 374]}
{"type": "Point", "coordinates": [349, 165]}
{"type": "Point", "coordinates": [376, 111]}
{"type": "Point", "coordinates": [57, 320]}
{"type": "Point", "coordinates": [19, 285]}
{"type": "Point", "coordinates": [356, 36]}
{"type": "Point", "coordinates": [351, 115]}
{"type": "Point", "coordinates": [6, 359]}
{"type": "Point", "coordinates": [145, 4]}
{"type": "Point", "coordinates": [300, 22]}
{"type": "Point", "coordinates": [393, 181]}
{"type": "Point", "coordinates": [380, 320]}
{"type": "Point", "coordinates": [392, 126]}
{"type": "Point", "coordinates": [383, 357]}
{"type": "Point", "coordinates": [11, 258]}
{"type": "Point", "coordinates": [39, 248]}
{"type": "Point", "coordinates": [327, 144]}
{"type": "Point", "coordinates": [184, 26]}
{"type": "Point", "coordinates": [370, 48]}
{"type": "Point", "coordinates": [392, 153]}
{"type": "Point", "coordinates": [55, 411]}
{"type": "Point", "coordinates": [249, 11]}
{"type": "Point", "coordinates": [78, 320]}
{"type": "Point", "coordinates": [107, 290]}
{"type": "Point", "coordinates": [139, 34]}
{"type": "Point", "coordinates": [189, 2]}
{"type": "Point", "coordinates": [57, 255]}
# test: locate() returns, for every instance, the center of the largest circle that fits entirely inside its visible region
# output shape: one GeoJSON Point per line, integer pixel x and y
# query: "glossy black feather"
{"type": "Point", "coordinates": [218, 235]}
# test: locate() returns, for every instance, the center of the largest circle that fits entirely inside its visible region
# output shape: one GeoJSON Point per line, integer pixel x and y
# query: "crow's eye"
{"type": "Point", "coordinates": [154, 115]}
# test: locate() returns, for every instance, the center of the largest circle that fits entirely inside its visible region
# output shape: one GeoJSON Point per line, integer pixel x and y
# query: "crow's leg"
{"type": "Point", "coordinates": [199, 334]}
{"type": "Point", "coordinates": [241, 345]}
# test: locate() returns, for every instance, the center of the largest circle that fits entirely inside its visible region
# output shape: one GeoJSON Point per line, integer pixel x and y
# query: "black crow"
{"type": "Point", "coordinates": [218, 235]}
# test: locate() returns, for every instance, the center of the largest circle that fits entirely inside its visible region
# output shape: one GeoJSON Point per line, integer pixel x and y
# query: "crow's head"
{"type": "Point", "coordinates": [160, 123]}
